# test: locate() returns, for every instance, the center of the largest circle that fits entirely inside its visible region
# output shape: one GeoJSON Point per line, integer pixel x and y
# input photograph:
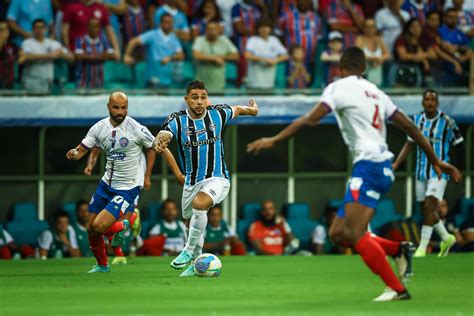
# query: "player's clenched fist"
{"type": "Point", "coordinates": [72, 154]}
{"type": "Point", "coordinates": [262, 143]}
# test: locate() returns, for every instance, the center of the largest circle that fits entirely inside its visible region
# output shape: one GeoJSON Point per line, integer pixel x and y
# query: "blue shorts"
{"type": "Point", "coordinates": [368, 183]}
{"type": "Point", "coordinates": [112, 200]}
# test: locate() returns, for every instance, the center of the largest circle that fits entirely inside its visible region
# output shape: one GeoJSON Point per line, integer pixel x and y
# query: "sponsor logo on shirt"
{"type": "Point", "coordinates": [116, 156]}
{"type": "Point", "coordinates": [201, 142]}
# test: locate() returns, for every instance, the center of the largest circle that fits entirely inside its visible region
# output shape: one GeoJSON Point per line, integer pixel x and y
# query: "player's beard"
{"type": "Point", "coordinates": [268, 222]}
{"type": "Point", "coordinates": [117, 118]}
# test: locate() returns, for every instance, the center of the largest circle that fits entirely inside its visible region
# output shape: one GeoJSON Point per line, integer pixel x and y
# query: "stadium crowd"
{"type": "Point", "coordinates": [407, 43]}
{"type": "Point", "coordinates": [262, 230]}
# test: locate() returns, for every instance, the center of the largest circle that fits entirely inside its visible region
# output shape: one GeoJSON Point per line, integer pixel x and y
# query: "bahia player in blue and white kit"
{"type": "Point", "coordinates": [198, 131]}
{"type": "Point", "coordinates": [123, 139]}
{"type": "Point", "coordinates": [361, 110]}
{"type": "Point", "coordinates": [442, 133]}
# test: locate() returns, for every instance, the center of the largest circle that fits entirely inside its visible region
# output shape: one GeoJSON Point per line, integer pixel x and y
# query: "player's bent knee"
{"type": "Point", "coordinates": [430, 204]}
{"type": "Point", "coordinates": [202, 202]}
{"type": "Point", "coordinates": [98, 227]}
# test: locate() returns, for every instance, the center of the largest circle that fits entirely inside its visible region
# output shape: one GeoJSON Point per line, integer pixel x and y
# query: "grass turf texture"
{"type": "Point", "coordinates": [326, 285]}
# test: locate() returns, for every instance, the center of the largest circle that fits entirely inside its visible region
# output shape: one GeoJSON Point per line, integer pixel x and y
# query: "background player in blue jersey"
{"type": "Point", "coordinates": [442, 133]}
{"type": "Point", "coordinates": [199, 134]}
{"type": "Point", "coordinates": [361, 110]}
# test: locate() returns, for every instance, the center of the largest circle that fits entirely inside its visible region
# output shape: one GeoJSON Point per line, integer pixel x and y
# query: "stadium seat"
{"type": "Point", "coordinates": [230, 74]}
{"type": "Point", "coordinates": [242, 229]}
{"type": "Point", "coordinates": [70, 208]}
{"type": "Point", "coordinates": [335, 203]}
{"type": "Point", "coordinates": [188, 71]}
{"type": "Point", "coordinates": [280, 80]}
{"type": "Point", "coordinates": [384, 213]}
{"type": "Point", "coordinates": [466, 209]}
{"type": "Point", "coordinates": [139, 75]}
{"type": "Point", "coordinates": [26, 232]}
{"type": "Point", "coordinates": [251, 211]}
{"type": "Point", "coordinates": [146, 226]}
{"type": "Point", "coordinates": [23, 212]}
{"type": "Point", "coordinates": [302, 229]}
{"type": "Point", "coordinates": [297, 211]}
{"type": "Point", "coordinates": [117, 74]}
{"type": "Point", "coordinates": [153, 211]}
{"type": "Point", "coordinates": [416, 215]}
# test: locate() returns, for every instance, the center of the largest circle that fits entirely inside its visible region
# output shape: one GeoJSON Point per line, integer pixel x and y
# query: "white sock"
{"type": "Point", "coordinates": [440, 229]}
{"type": "Point", "coordinates": [426, 232]}
{"type": "Point", "coordinates": [198, 250]}
{"type": "Point", "coordinates": [197, 225]}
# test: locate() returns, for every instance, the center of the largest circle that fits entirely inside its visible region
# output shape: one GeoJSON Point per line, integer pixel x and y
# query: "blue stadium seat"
{"type": "Point", "coordinates": [146, 226]}
{"type": "Point", "coordinates": [70, 208]}
{"type": "Point", "coordinates": [117, 74]}
{"type": "Point", "coordinates": [297, 211]}
{"type": "Point", "coordinates": [384, 213]}
{"type": "Point", "coordinates": [416, 215]}
{"type": "Point", "coordinates": [251, 211]}
{"type": "Point", "coordinates": [188, 71]}
{"type": "Point", "coordinates": [153, 211]}
{"type": "Point", "coordinates": [280, 79]}
{"type": "Point", "coordinates": [335, 203]}
{"type": "Point", "coordinates": [230, 74]}
{"type": "Point", "coordinates": [466, 209]}
{"type": "Point", "coordinates": [242, 229]}
{"type": "Point", "coordinates": [302, 229]}
{"type": "Point", "coordinates": [139, 75]}
{"type": "Point", "coordinates": [25, 212]}
{"type": "Point", "coordinates": [26, 232]}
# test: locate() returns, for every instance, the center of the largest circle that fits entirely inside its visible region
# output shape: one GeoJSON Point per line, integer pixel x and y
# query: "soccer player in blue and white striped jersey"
{"type": "Point", "coordinates": [442, 133]}
{"type": "Point", "coordinates": [199, 131]}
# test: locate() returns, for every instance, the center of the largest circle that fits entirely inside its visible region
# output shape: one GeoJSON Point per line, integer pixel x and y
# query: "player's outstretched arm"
{"type": "Point", "coordinates": [162, 141]}
{"type": "Point", "coordinates": [403, 154]}
{"type": "Point", "coordinates": [251, 109]}
{"type": "Point", "coordinates": [311, 118]}
{"type": "Point", "coordinates": [406, 125]}
{"type": "Point", "coordinates": [76, 153]}
{"type": "Point", "coordinates": [171, 162]}
{"type": "Point", "coordinates": [92, 161]}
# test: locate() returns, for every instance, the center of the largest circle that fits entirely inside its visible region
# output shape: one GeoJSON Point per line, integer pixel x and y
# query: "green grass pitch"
{"type": "Point", "coordinates": [326, 285]}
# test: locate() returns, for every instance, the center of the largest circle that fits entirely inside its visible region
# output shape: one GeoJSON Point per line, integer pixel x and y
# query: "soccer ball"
{"type": "Point", "coordinates": [207, 265]}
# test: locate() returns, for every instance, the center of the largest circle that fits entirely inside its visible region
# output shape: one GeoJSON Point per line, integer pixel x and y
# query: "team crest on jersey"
{"type": "Point", "coordinates": [212, 127]}
{"type": "Point", "coordinates": [123, 141]}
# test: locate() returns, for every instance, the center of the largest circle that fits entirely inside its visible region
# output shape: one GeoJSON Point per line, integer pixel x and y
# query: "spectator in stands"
{"type": "Point", "coordinates": [225, 8]}
{"type": "Point", "coordinates": [171, 228]}
{"type": "Point", "coordinates": [301, 26]}
{"type": "Point", "coordinates": [208, 11]}
{"type": "Point", "coordinates": [455, 42]}
{"type": "Point", "coordinates": [370, 7]}
{"type": "Point", "coordinates": [60, 241]}
{"type": "Point", "coordinates": [346, 17]}
{"type": "Point", "coordinates": [180, 22]}
{"type": "Point", "coordinates": [91, 51]}
{"type": "Point", "coordinates": [332, 55]}
{"type": "Point", "coordinates": [21, 15]}
{"type": "Point", "coordinates": [320, 235]}
{"type": "Point", "coordinates": [76, 19]}
{"type": "Point", "coordinates": [7, 58]}
{"type": "Point", "coordinates": [244, 18]}
{"type": "Point", "coordinates": [390, 21]}
{"type": "Point", "coordinates": [38, 55]}
{"type": "Point", "coordinates": [211, 52]}
{"type": "Point", "coordinates": [376, 52]}
{"type": "Point", "coordinates": [80, 227]}
{"type": "Point", "coordinates": [271, 234]}
{"type": "Point", "coordinates": [162, 48]}
{"type": "Point", "coordinates": [465, 18]}
{"type": "Point", "coordinates": [263, 53]}
{"type": "Point", "coordinates": [8, 247]}
{"type": "Point", "coordinates": [318, 239]}
{"type": "Point", "coordinates": [220, 238]}
{"type": "Point", "coordinates": [117, 10]}
{"type": "Point", "coordinates": [298, 75]}
{"type": "Point", "coordinates": [418, 9]}
{"type": "Point", "coordinates": [445, 62]}
{"type": "Point", "coordinates": [134, 24]}
{"type": "Point", "coordinates": [409, 52]}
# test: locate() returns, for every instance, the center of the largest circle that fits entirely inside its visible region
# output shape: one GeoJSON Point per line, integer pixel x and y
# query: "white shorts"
{"type": "Point", "coordinates": [216, 188]}
{"type": "Point", "coordinates": [432, 187]}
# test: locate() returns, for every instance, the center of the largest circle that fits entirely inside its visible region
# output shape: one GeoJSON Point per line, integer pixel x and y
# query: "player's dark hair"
{"type": "Point", "coordinates": [430, 91]}
{"type": "Point", "coordinates": [164, 15]}
{"type": "Point", "coordinates": [79, 203]}
{"type": "Point", "coordinates": [353, 60]}
{"type": "Point", "coordinates": [59, 214]}
{"type": "Point", "coordinates": [38, 21]}
{"type": "Point", "coordinates": [196, 84]}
